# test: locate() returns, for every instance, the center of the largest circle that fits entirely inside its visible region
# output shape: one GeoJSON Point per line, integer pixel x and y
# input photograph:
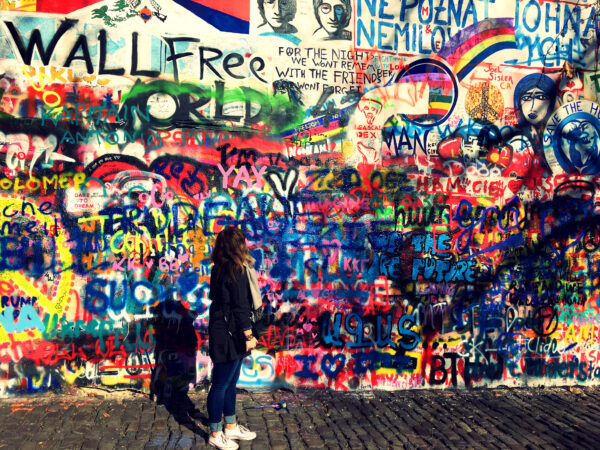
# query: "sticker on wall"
{"type": "Point", "coordinates": [572, 139]}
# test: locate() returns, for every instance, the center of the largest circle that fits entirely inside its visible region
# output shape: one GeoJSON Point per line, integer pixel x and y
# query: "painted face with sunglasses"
{"type": "Point", "coordinates": [333, 16]}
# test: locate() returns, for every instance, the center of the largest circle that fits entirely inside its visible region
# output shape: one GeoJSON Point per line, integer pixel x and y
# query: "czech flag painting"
{"type": "Point", "coordinates": [232, 16]}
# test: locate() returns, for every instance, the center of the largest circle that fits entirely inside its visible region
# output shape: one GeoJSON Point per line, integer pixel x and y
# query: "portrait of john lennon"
{"type": "Point", "coordinates": [579, 142]}
{"type": "Point", "coordinates": [278, 14]}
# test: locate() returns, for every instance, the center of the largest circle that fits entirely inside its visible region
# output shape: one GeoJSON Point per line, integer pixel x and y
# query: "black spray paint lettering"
{"type": "Point", "coordinates": [80, 50]}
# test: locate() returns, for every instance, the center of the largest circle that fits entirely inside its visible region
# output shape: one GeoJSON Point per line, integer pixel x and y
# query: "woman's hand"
{"type": "Point", "coordinates": [250, 344]}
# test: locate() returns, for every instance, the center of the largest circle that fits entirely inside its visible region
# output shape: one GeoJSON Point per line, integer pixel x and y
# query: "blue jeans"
{"type": "Point", "coordinates": [221, 397]}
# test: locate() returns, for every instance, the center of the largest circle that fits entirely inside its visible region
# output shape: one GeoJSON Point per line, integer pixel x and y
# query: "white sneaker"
{"type": "Point", "coordinates": [240, 432]}
{"type": "Point", "coordinates": [222, 441]}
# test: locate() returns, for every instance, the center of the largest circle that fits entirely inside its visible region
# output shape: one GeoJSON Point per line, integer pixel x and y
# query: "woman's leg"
{"type": "Point", "coordinates": [222, 375]}
{"type": "Point", "coordinates": [230, 396]}
{"type": "Point", "coordinates": [233, 430]}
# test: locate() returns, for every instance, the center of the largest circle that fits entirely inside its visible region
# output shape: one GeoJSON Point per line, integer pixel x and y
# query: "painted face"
{"type": "Point", "coordinates": [278, 13]}
{"type": "Point", "coordinates": [332, 15]}
{"type": "Point", "coordinates": [534, 105]}
{"type": "Point", "coordinates": [273, 14]}
{"type": "Point", "coordinates": [369, 108]}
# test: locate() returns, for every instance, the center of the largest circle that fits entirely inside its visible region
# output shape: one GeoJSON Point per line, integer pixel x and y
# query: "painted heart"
{"type": "Point", "coordinates": [331, 365]}
{"type": "Point", "coordinates": [515, 185]}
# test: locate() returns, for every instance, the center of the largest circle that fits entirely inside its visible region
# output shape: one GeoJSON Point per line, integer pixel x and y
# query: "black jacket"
{"type": "Point", "coordinates": [229, 315]}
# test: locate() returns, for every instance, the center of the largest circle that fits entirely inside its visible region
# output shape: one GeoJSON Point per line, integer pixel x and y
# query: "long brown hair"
{"type": "Point", "coordinates": [230, 251]}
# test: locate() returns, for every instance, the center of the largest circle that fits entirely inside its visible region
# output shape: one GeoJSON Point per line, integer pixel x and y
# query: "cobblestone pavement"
{"type": "Point", "coordinates": [485, 418]}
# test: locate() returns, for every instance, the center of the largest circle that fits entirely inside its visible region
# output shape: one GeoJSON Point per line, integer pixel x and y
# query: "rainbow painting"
{"type": "Point", "coordinates": [469, 47]}
{"type": "Point", "coordinates": [439, 104]}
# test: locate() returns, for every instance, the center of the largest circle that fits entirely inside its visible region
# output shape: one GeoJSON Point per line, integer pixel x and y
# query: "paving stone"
{"type": "Point", "coordinates": [492, 418]}
{"type": "Point", "coordinates": [185, 443]}
{"type": "Point", "coordinates": [290, 436]}
{"type": "Point", "coordinates": [354, 443]}
{"type": "Point", "coordinates": [278, 444]}
{"type": "Point", "coordinates": [70, 443]}
{"type": "Point", "coordinates": [160, 425]}
{"type": "Point", "coordinates": [260, 442]}
{"type": "Point", "coordinates": [291, 427]}
{"type": "Point", "coordinates": [333, 446]}
{"type": "Point", "coordinates": [173, 440]}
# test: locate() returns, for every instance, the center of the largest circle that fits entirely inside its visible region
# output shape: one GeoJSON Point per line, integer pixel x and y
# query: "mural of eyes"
{"type": "Point", "coordinates": [531, 97]}
{"type": "Point", "coordinates": [338, 11]}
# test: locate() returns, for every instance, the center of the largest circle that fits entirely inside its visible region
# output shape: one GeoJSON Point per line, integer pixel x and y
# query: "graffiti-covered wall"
{"type": "Point", "coordinates": [416, 178]}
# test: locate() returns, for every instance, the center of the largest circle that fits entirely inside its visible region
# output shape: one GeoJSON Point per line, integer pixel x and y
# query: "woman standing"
{"type": "Point", "coordinates": [229, 334]}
